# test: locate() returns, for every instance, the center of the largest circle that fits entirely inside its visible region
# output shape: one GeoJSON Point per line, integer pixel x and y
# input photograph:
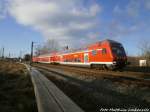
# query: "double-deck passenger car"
{"type": "Point", "coordinates": [107, 54]}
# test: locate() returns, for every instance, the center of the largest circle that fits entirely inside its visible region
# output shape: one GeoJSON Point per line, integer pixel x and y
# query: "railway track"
{"type": "Point", "coordinates": [99, 90]}
{"type": "Point", "coordinates": [143, 78]}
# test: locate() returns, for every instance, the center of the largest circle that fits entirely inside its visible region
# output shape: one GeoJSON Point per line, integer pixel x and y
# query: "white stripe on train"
{"type": "Point", "coordinates": [77, 63]}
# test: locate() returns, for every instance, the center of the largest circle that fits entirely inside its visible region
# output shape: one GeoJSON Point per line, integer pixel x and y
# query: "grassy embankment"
{"type": "Point", "coordinates": [16, 90]}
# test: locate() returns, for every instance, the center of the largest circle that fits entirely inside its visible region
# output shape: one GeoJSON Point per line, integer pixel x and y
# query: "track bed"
{"type": "Point", "coordinates": [93, 92]}
{"type": "Point", "coordinates": [125, 75]}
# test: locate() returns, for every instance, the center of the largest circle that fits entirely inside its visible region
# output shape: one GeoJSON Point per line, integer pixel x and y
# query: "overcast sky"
{"type": "Point", "coordinates": [73, 22]}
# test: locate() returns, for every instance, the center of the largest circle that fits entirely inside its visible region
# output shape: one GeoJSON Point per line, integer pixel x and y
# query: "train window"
{"type": "Point", "coordinates": [94, 52]}
{"type": "Point", "coordinates": [77, 60]}
{"type": "Point", "coordinates": [104, 51]}
{"type": "Point", "coordinates": [118, 50]}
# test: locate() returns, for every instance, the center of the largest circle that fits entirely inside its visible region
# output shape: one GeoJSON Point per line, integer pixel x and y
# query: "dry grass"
{"type": "Point", "coordinates": [16, 90]}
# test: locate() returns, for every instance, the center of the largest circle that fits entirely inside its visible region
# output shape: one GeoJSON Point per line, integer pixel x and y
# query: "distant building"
{"type": "Point", "coordinates": [138, 61]}
{"type": "Point", "coordinates": [142, 63]}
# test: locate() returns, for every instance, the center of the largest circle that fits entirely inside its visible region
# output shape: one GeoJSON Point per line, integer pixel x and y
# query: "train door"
{"type": "Point", "coordinates": [86, 58]}
{"type": "Point", "coordinates": [61, 58]}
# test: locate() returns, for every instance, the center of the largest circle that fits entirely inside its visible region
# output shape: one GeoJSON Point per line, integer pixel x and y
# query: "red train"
{"type": "Point", "coordinates": [107, 54]}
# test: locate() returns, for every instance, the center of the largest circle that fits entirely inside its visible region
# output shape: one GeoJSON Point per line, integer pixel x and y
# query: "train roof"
{"type": "Point", "coordinates": [110, 41]}
{"type": "Point", "coordinates": [96, 44]}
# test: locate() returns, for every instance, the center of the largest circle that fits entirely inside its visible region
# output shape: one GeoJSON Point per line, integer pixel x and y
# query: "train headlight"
{"type": "Point", "coordinates": [114, 62]}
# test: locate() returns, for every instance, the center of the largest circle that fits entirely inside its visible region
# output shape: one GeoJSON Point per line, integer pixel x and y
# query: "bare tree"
{"type": "Point", "coordinates": [145, 49]}
{"type": "Point", "coordinates": [52, 45]}
{"type": "Point", "coordinates": [27, 57]}
{"type": "Point", "coordinates": [49, 46]}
